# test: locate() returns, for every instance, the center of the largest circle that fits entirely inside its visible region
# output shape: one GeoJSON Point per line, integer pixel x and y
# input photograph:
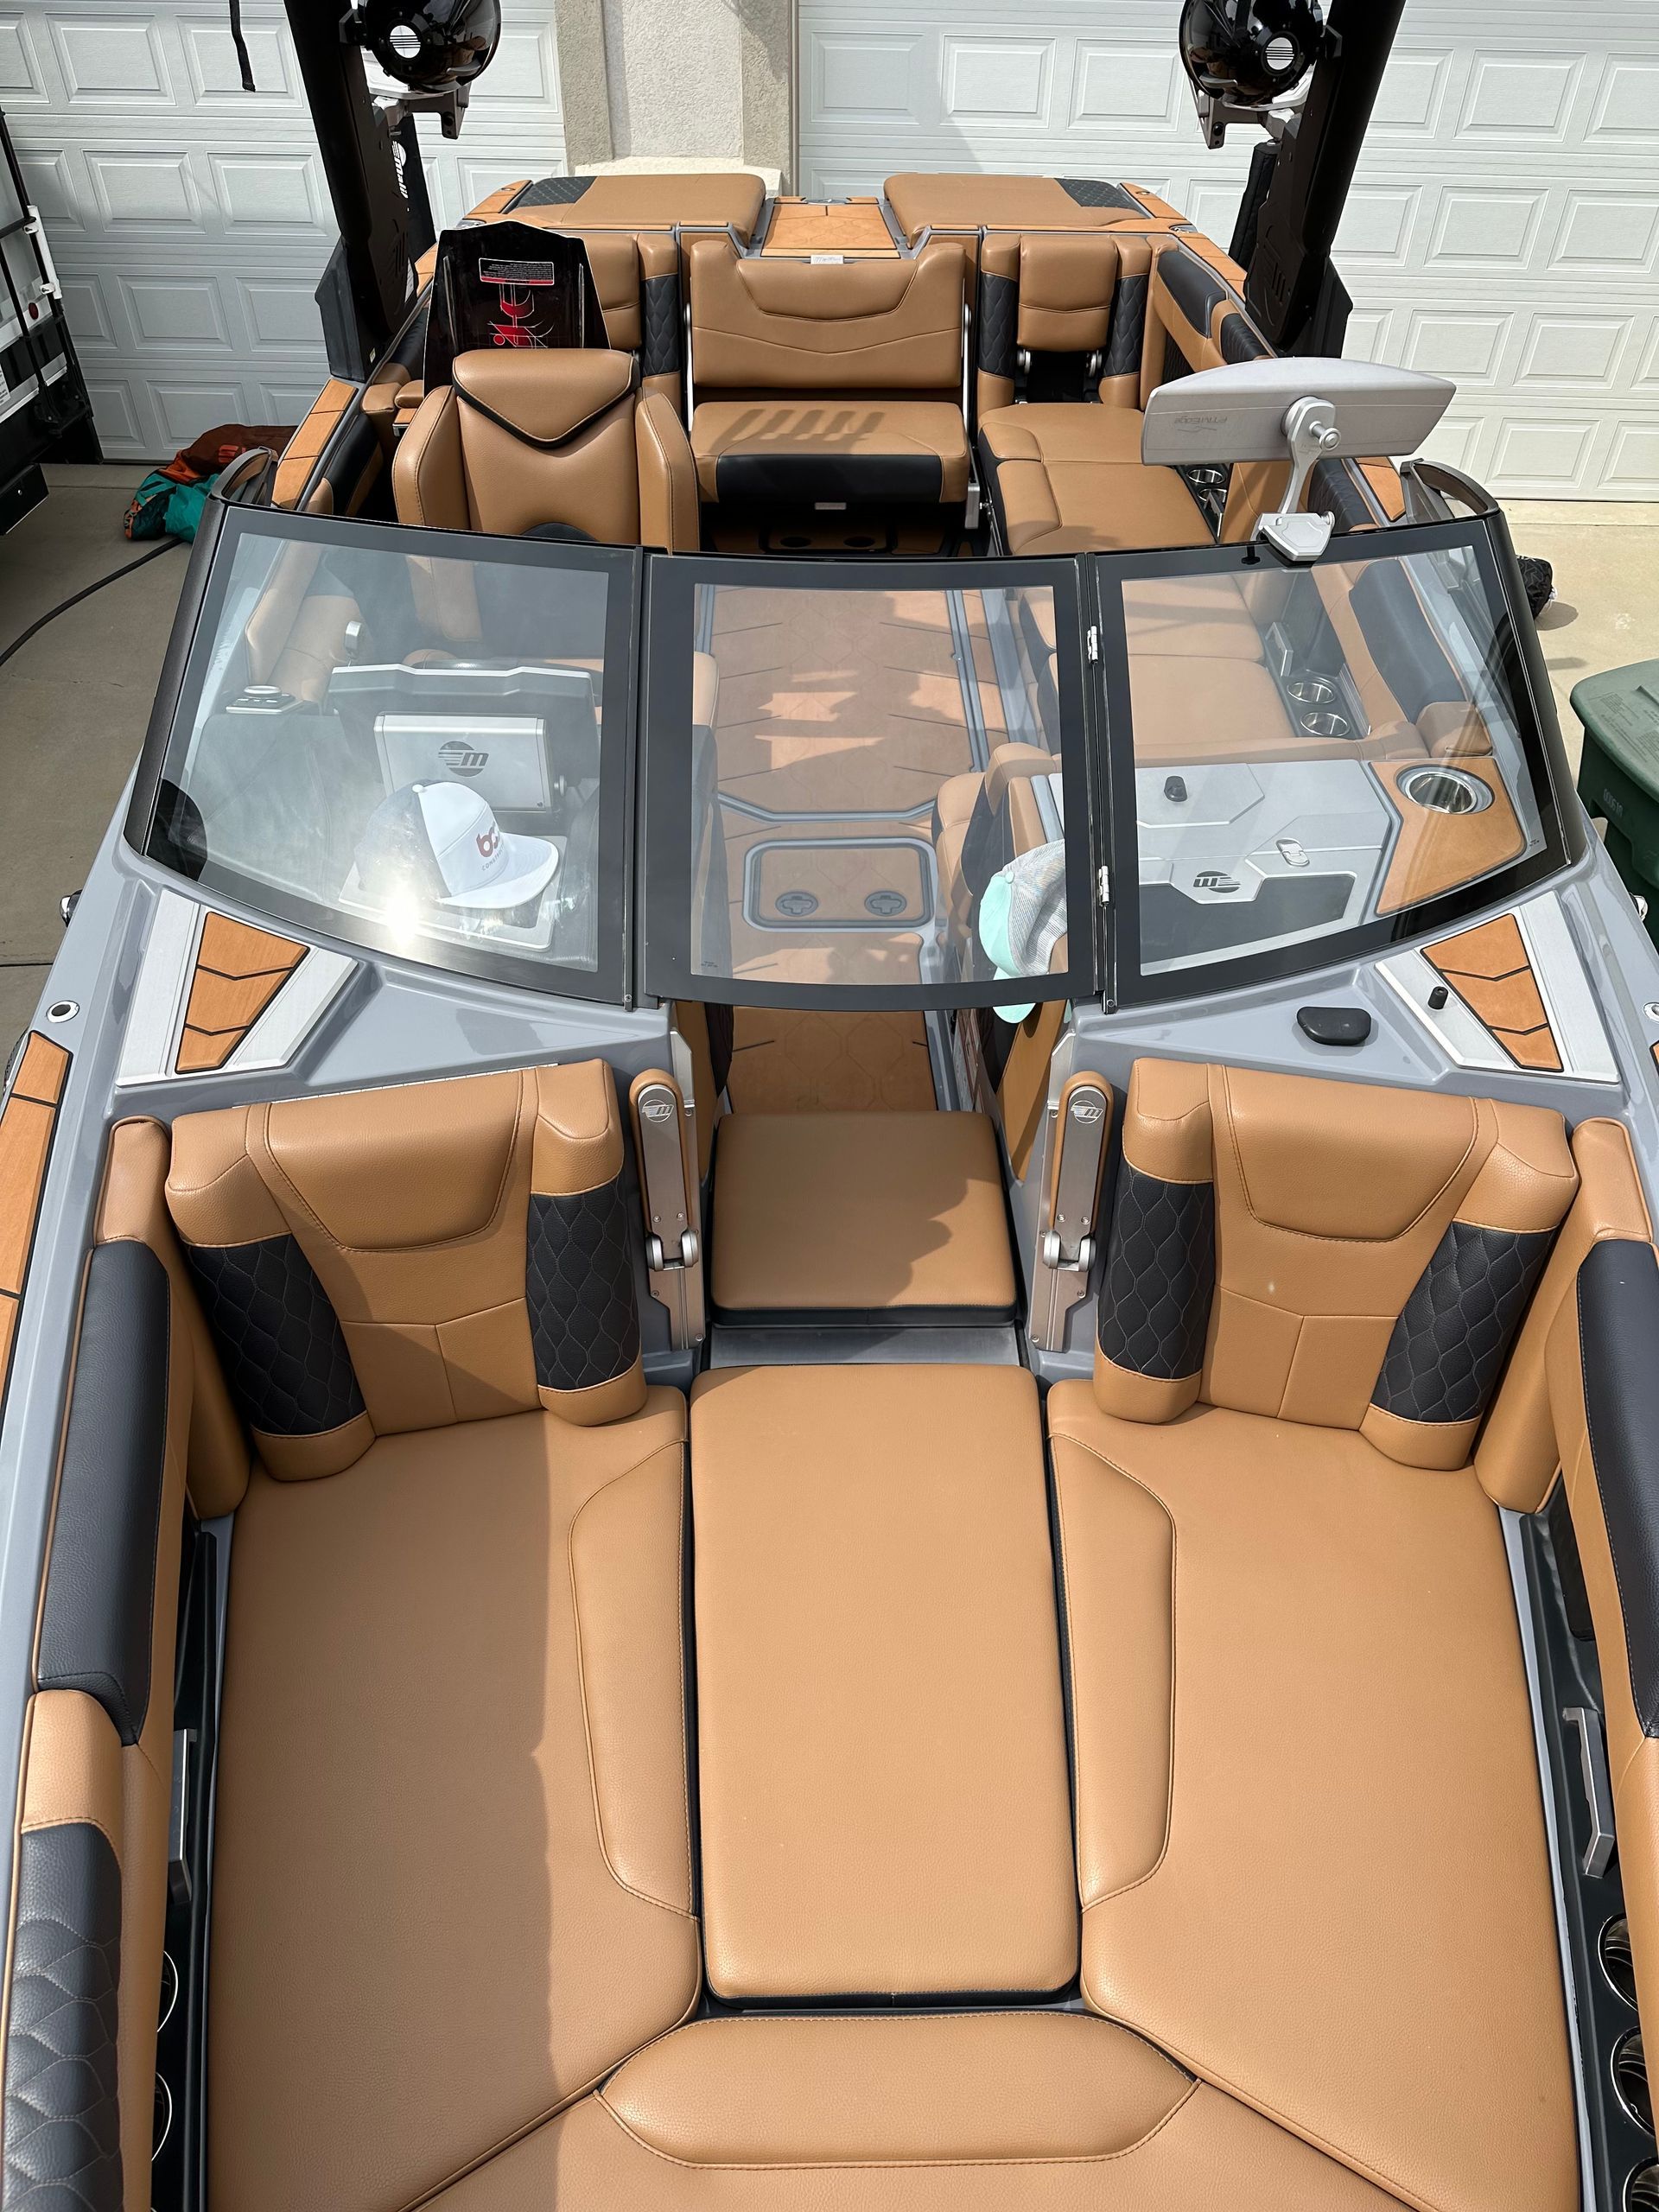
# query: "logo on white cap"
{"type": "Point", "coordinates": [444, 841]}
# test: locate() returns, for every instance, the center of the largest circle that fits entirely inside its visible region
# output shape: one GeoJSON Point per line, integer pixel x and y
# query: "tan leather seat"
{"type": "Point", "coordinates": [778, 449]}
{"type": "Point", "coordinates": [552, 441]}
{"type": "Point", "coordinates": [882, 1748]}
{"type": "Point", "coordinates": [977, 2112]}
{"type": "Point", "coordinates": [860, 1218]}
{"type": "Point", "coordinates": [452, 1865]}
{"type": "Point", "coordinates": [828, 381]}
{"type": "Point", "coordinates": [1299, 1707]}
{"type": "Point", "coordinates": [1068, 478]}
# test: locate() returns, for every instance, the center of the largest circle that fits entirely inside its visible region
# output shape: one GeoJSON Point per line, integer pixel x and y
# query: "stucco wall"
{"type": "Point", "coordinates": [708, 78]}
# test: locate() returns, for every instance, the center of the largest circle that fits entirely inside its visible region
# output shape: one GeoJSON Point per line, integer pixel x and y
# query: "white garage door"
{"type": "Point", "coordinates": [1503, 229]}
{"type": "Point", "coordinates": [190, 219]}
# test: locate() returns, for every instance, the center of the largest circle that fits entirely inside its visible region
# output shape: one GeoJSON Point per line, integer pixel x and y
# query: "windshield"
{"type": "Point", "coordinates": [862, 786]}
{"type": "Point", "coordinates": [1319, 749]}
{"type": "Point", "coordinates": [422, 750]}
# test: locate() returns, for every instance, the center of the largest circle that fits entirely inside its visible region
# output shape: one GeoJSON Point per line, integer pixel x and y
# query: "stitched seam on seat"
{"type": "Point", "coordinates": [893, 2166]}
{"type": "Point", "coordinates": [70, 1821]}
{"type": "Point", "coordinates": [1311, 2136]}
{"type": "Point", "coordinates": [1320, 1236]}
{"type": "Point", "coordinates": [664, 1905]}
{"type": "Point", "coordinates": [491, 1222]}
{"type": "Point", "coordinates": [1175, 1556]}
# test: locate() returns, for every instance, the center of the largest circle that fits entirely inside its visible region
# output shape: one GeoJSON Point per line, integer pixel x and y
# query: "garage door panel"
{"type": "Point", "coordinates": [190, 221]}
{"type": "Point", "coordinates": [1502, 227]}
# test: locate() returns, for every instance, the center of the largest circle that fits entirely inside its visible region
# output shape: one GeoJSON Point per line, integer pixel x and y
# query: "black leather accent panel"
{"type": "Point", "coordinates": [284, 1356]}
{"type": "Point", "coordinates": [584, 1319]}
{"type": "Point", "coordinates": [553, 192]}
{"type": "Point", "coordinates": [917, 478]}
{"type": "Point", "coordinates": [1408, 658]}
{"type": "Point", "coordinates": [1128, 327]}
{"type": "Point", "coordinates": [1239, 342]}
{"type": "Point", "coordinates": [1176, 364]}
{"type": "Point", "coordinates": [659, 356]}
{"type": "Point", "coordinates": [1450, 1344]}
{"type": "Point", "coordinates": [1192, 285]}
{"type": "Point", "coordinates": [97, 1615]}
{"type": "Point", "coordinates": [988, 467]}
{"type": "Point", "coordinates": [1331, 491]}
{"type": "Point", "coordinates": [987, 844]}
{"type": "Point", "coordinates": [1089, 192]}
{"type": "Point", "coordinates": [63, 2113]}
{"type": "Point", "coordinates": [1161, 1275]}
{"type": "Point", "coordinates": [1618, 1329]}
{"type": "Point", "coordinates": [999, 320]}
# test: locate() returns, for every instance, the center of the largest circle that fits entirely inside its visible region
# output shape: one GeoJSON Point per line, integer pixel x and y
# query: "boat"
{"type": "Point", "coordinates": [827, 1259]}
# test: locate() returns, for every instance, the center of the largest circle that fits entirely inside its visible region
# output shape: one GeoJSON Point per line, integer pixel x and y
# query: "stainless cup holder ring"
{"type": "Point", "coordinates": [1445, 790]}
{"type": "Point", "coordinates": [1309, 688]}
{"type": "Point", "coordinates": [1325, 722]}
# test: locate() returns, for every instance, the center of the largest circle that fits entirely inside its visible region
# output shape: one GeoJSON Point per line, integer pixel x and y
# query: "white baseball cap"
{"type": "Point", "coordinates": [443, 842]}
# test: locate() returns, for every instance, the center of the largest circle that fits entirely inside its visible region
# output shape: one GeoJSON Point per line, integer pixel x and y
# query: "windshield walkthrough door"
{"type": "Point", "coordinates": [867, 785]}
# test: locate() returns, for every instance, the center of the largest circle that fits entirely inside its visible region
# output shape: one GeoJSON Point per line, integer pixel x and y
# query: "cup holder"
{"type": "Point", "coordinates": [1613, 1948]}
{"type": "Point", "coordinates": [1206, 479]}
{"type": "Point", "coordinates": [1628, 2068]}
{"type": "Point", "coordinates": [1641, 2190]}
{"type": "Point", "coordinates": [169, 1996]}
{"type": "Point", "coordinates": [163, 2117]}
{"type": "Point", "coordinates": [1445, 790]}
{"type": "Point", "coordinates": [1309, 688]}
{"type": "Point", "coordinates": [1324, 721]}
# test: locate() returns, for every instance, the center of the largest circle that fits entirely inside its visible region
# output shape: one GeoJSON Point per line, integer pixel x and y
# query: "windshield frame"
{"type": "Point", "coordinates": [185, 672]}
{"type": "Point", "coordinates": [673, 581]}
{"type": "Point", "coordinates": [1484, 536]}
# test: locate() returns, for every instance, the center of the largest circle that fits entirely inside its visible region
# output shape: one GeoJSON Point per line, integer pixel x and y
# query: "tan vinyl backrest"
{"type": "Point", "coordinates": [519, 440]}
{"type": "Point", "coordinates": [1289, 1246]}
{"type": "Point", "coordinates": [778, 325]}
{"type": "Point", "coordinates": [403, 1259]}
{"type": "Point", "coordinates": [1067, 285]}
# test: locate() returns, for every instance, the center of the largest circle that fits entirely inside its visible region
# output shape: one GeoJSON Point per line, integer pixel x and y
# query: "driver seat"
{"type": "Point", "coordinates": [549, 443]}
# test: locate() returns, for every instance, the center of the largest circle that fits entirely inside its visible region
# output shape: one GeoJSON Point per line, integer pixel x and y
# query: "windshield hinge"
{"type": "Point", "coordinates": [1103, 886]}
{"type": "Point", "coordinates": [1092, 641]}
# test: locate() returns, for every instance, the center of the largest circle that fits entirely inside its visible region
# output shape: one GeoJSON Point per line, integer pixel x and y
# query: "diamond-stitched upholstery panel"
{"type": "Point", "coordinates": [999, 319]}
{"type": "Point", "coordinates": [285, 1356]}
{"type": "Point", "coordinates": [1128, 327]}
{"type": "Point", "coordinates": [659, 356]}
{"type": "Point", "coordinates": [1449, 1344]}
{"type": "Point", "coordinates": [584, 1319]}
{"type": "Point", "coordinates": [63, 2118]}
{"type": "Point", "coordinates": [1161, 1275]}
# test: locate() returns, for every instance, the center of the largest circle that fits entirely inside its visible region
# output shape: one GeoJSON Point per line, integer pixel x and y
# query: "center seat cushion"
{"type": "Point", "coordinates": [881, 1745]}
{"type": "Point", "coordinates": [861, 1218]}
{"type": "Point", "coordinates": [1067, 478]}
{"type": "Point", "coordinates": [1311, 1844]}
{"type": "Point", "coordinates": [452, 1880]}
{"type": "Point", "coordinates": [850, 450]}
{"type": "Point", "coordinates": [984, 2112]}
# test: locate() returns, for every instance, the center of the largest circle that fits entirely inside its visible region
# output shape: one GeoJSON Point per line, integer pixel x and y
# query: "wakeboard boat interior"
{"type": "Point", "coordinates": [840, 1287]}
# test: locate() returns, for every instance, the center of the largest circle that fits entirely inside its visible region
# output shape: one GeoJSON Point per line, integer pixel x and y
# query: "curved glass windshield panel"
{"type": "Point", "coordinates": [1322, 748]}
{"type": "Point", "coordinates": [412, 749]}
{"type": "Point", "coordinates": [870, 789]}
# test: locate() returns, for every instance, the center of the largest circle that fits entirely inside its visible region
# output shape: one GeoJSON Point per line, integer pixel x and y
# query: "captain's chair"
{"type": "Point", "coordinates": [557, 443]}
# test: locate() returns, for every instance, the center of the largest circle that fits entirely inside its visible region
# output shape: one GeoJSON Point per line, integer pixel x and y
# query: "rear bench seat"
{"type": "Point", "coordinates": [453, 1883]}
{"type": "Point", "coordinates": [828, 382]}
{"type": "Point", "coordinates": [1312, 1862]}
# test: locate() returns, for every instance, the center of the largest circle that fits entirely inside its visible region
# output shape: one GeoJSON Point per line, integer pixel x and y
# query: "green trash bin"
{"type": "Point", "coordinates": [1618, 777]}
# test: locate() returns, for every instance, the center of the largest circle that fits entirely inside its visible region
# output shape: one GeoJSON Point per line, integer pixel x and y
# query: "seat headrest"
{"type": "Point", "coordinates": [544, 397]}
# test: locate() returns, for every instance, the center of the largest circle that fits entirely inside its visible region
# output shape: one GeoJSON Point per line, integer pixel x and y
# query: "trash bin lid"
{"type": "Point", "coordinates": [1620, 710]}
